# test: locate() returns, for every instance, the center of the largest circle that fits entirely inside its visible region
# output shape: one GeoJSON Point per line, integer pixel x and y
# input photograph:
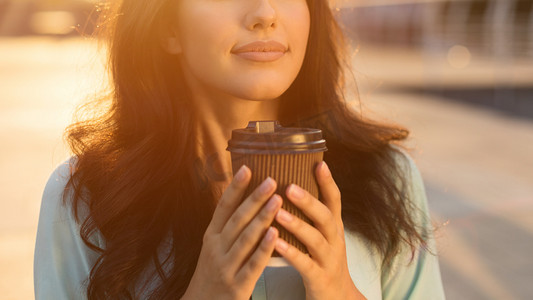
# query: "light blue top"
{"type": "Point", "coordinates": [63, 262]}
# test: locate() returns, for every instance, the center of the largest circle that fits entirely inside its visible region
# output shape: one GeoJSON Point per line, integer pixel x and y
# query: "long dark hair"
{"type": "Point", "coordinates": [137, 172]}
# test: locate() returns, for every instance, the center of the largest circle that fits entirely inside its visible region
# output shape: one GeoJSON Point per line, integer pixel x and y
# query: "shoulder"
{"type": "Point", "coordinates": [405, 163]}
{"type": "Point", "coordinates": [52, 203]}
{"type": "Point", "coordinates": [57, 182]}
{"type": "Point", "coordinates": [57, 195]}
{"type": "Point", "coordinates": [411, 184]}
{"type": "Point", "coordinates": [57, 199]}
{"type": "Point", "coordinates": [62, 260]}
{"type": "Point", "coordinates": [57, 203]}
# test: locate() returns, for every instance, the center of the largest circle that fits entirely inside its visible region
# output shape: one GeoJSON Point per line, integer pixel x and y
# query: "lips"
{"type": "Point", "coordinates": [261, 51]}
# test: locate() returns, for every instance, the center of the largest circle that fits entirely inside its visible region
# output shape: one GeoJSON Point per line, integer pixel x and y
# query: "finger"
{"type": "Point", "coordinates": [314, 241]}
{"type": "Point", "coordinates": [247, 211]}
{"type": "Point", "coordinates": [300, 261]}
{"type": "Point", "coordinates": [259, 259]}
{"type": "Point", "coordinates": [328, 188]}
{"type": "Point", "coordinates": [315, 210]}
{"type": "Point", "coordinates": [230, 199]}
{"type": "Point", "coordinates": [249, 238]}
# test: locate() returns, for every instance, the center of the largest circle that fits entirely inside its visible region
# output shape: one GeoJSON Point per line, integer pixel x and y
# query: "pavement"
{"type": "Point", "coordinates": [476, 166]}
{"type": "Point", "coordinates": [476, 163]}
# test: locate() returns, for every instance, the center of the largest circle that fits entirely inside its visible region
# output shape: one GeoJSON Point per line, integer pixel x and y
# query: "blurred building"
{"type": "Point", "coordinates": [47, 17]}
{"type": "Point", "coordinates": [473, 51]}
{"type": "Point", "coordinates": [492, 27]}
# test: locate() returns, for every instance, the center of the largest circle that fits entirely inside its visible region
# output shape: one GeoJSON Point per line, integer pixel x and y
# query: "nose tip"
{"type": "Point", "coordinates": [263, 24]}
{"type": "Point", "coordinates": [262, 16]}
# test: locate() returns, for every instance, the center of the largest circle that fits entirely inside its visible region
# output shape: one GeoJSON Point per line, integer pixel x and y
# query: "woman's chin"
{"type": "Point", "coordinates": [261, 93]}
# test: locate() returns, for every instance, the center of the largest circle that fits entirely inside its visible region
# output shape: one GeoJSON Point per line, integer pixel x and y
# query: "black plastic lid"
{"type": "Point", "coordinates": [269, 137]}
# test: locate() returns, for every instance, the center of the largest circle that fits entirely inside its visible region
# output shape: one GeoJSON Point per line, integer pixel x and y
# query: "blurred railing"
{"type": "Point", "coordinates": [491, 27]}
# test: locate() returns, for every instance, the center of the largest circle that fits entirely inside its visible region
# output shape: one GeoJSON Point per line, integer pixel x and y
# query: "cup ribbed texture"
{"type": "Point", "coordinates": [298, 168]}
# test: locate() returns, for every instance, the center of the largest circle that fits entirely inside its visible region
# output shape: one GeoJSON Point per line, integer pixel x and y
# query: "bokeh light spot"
{"type": "Point", "coordinates": [459, 57]}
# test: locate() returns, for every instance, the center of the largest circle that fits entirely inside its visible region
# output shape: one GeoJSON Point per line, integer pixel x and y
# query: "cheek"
{"type": "Point", "coordinates": [206, 46]}
{"type": "Point", "coordinates": [204, 32]}
{"type": "Point", "coordinates": [297, 23]}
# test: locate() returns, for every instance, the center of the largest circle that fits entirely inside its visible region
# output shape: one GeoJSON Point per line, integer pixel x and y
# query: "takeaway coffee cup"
{"type": "Point", "coordinates": [288, 155]}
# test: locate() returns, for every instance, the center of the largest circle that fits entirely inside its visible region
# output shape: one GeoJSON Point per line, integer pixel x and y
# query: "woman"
{"type": "Point", "coordinates": [148, 208]}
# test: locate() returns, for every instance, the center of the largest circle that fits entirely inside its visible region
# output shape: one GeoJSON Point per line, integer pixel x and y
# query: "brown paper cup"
{"type": "Point", "coordinates": [288, 155]}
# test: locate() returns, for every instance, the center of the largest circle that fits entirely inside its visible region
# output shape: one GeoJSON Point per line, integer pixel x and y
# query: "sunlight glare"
{"type": "Point", "coordinates": [53, 22]}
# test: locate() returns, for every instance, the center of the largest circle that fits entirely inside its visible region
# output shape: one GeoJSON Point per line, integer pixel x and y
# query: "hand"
{"type": "Point", "coordinates": [325, 272]}
{"type": "Point", "coordinates": [238, 242]}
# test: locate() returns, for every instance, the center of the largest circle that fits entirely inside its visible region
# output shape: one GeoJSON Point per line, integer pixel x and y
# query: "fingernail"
{"type": "Point", "coordinates": [325, 169]}
{"type": "Point", "coordinates": [272, 203]}
{"type": "Point", "coordinates": [285, 216]}
{"type": "Point", "coordinates": [266, 185]}
{"type": "Point", "coordinates": [281, 245]}
{"type": "Point", "coordinates": [241, 174]}
{"type": "Point", "coordinates": [296, 192]}
{"type": "Point", "coordinates": [270, 234]}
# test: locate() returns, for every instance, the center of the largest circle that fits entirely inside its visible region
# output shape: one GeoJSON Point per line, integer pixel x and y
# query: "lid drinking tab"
{"type": "Point", "coordinates": [263, 126]}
